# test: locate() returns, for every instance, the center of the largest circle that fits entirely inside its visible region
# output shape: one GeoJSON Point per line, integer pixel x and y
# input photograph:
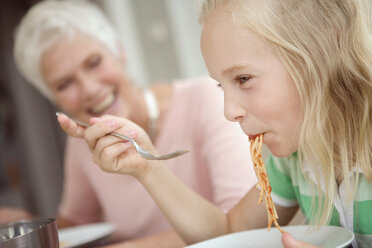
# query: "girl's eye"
{"type": "Point", "coordinates": [243, 79]}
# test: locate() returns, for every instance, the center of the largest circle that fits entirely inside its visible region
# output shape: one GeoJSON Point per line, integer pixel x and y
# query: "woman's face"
{"type": "Point", "coordinates": [84, 77]}
{"type": "Point", "coordinates": [258, 91]}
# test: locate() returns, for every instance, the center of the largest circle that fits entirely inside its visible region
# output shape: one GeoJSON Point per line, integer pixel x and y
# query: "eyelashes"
{"type": "Point", "coordinates": [243, 79]}
{"type": "Point", "coordinates": [64, 84]}
{"type": "Point", "coordinates": [94, 62]}
{"type": "Point", "coordinates": [240, 80]}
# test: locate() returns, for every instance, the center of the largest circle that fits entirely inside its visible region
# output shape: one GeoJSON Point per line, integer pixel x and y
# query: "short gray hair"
{"type": "Point", "coordinates": [49, 21]}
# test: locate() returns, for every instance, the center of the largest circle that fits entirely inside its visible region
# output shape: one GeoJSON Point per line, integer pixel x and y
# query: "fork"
{"type": "Point", "coordinates": [140, 151]}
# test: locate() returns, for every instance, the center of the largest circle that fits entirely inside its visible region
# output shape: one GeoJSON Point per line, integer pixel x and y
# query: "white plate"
{"type": "Point", "coordinates": [325, 236]}
{"type": "Point", "coordinates": [84, 234]}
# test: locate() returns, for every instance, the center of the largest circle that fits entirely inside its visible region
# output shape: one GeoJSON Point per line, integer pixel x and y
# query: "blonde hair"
{"type": "Point", "coordinates": [326, 48]}
{"type": "Point", "coordinates": [50, 21]}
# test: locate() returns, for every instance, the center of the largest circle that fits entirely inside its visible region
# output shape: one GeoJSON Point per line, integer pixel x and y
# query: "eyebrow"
{"type": "Point", "coordinates": [233, 69]}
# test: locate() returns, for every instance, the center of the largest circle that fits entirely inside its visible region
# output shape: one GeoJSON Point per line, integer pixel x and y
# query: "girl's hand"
{"type": "Point", "coordinates": [289, 242]}
{"type": "Point", "coordinates": [116, 155]}
{"type": "Point", "coordinates": [111, 153]}
{"type": "Point", "coordinates": [70, 127]}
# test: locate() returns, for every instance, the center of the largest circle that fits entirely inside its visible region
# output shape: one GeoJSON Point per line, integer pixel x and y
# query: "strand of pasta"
{"type": "Point", "coordinates": [263, 181]}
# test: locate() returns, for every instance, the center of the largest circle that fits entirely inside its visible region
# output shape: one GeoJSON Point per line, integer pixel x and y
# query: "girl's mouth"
{"type": "Point", "coordinates": [251, 137]}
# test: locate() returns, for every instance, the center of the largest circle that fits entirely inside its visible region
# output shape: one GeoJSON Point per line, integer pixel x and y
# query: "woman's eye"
{"type": "Point", "coordinates": [243, 79]}
{"type": "Point", "coordinates": [64, 84]}
{"type": "Point", "coordinates": [94, 62]}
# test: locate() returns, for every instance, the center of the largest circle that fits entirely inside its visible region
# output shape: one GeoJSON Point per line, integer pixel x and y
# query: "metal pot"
{"type": "Point", "coordinates": [36, 233]}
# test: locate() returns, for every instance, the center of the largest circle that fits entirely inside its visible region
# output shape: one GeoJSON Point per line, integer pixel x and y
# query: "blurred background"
{"type": "Point", "coordinates": [161, 39]}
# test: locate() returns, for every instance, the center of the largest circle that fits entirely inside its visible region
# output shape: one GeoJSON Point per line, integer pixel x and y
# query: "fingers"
{"type": "Point", "coordinates": [108, 146]}
{"type": "Point", "coordinates": [109, 160]}
{"type": "Point", "coordinates": [108, 150]}
{"type": "Point", "coordinates": [113, 154]}
{"type": "Point", "coordinates": [70, 127]}
{"type": "Point", "coordinates": [99, 129]}
{"type": "Point", "coordinates": [289, 242]}
{"type": "Point", "coordinates": [107, 124]}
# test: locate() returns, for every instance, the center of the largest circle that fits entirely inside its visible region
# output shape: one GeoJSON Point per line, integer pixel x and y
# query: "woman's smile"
{"type": "Point", "coordinates": [103, 105]}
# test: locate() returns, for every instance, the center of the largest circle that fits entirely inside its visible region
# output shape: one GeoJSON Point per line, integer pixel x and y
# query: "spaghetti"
{"type": "Point", "coordinates": [263, 181]}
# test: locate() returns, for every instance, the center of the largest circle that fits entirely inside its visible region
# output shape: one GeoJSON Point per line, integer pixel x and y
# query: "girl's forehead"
{"type": "Point", "coordinates": [222, 36]}
{"type": "Point", "coordinates": [222, 27]}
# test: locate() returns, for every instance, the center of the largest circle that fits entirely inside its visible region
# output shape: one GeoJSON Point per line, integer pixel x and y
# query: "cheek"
{"type": "Point", "coordinates": [280, 99]}
{"type": "Point", "coordinates": [289, 125]}
{"type": "Point", "coordinates": [69, 101]}
{"type": "Point", "coordinates": [110, 73]}
{"type": "Point", "coordinates": [263, 103]}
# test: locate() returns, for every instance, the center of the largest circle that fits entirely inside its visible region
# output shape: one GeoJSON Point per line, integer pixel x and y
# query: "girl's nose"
{"type": "Point", "coordinates": [232, 109]}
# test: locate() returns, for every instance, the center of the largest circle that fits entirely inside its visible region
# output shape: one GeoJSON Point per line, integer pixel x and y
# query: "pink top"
{"type": "Point", "coordinates": [218, 166]}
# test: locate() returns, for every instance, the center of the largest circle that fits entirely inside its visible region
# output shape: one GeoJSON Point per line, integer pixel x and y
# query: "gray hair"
{"type": "Point", "coordinates": [49, 21]}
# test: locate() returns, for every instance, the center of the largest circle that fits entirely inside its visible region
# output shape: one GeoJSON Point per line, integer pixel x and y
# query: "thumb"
{"type": "Point", "coordinates": [289, 242]}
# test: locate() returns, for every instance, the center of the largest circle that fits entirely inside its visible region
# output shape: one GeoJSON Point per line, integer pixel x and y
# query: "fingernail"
{"type": "Point", "coordinates": [59, 114]}
{"type": "Point", "coordinates": [112, 123]}
{"type": "Point", "coordinates": [132, 134]}
{"type": "Point", "coordinates": [94, 120]}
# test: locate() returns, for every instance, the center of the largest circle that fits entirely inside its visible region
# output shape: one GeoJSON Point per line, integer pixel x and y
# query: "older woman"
{"type": "Point", "coordinates": [71, 54]}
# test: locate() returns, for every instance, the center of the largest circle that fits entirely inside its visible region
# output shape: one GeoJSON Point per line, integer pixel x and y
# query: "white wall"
{"type": "Point", "coordinates": [160, 37]}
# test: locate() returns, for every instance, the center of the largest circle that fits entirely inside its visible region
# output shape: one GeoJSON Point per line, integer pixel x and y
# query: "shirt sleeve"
{"type": "Point", "coordinates": [79, 203]}
{"type": "Point", "coordinates": [283, 191]}
{"type": "Point", "coordinates": [226, 150]}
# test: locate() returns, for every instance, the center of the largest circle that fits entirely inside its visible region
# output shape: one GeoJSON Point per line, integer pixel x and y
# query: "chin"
{"type": "Point", "coordinates": [281, 154]}
{"type": "Point", "coordinates": [279, 146]}
{"type": "Point", "coordinates": [280, 151]}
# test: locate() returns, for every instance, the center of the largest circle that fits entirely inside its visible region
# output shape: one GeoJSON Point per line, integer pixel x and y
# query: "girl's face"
{"type": "Point", "coordinates": [258, 91]}
{"type": "Point", "coordinates": [84, 77]}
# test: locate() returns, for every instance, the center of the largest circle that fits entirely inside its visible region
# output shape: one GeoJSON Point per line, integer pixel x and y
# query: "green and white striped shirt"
{"type": "Point", "coordinates": [291, 186]}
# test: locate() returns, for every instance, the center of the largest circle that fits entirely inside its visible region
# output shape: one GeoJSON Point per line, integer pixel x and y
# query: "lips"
{"type": "Point", "coordinates": [103, 105]}
{"type": "Point", "coordinates": [252, 136]}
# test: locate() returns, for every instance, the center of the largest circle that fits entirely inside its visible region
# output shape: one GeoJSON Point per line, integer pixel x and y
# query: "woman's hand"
{"type": "Point", "coordinates": [13, 214]}
{"type": "Point", "coordinates": [289, 242]}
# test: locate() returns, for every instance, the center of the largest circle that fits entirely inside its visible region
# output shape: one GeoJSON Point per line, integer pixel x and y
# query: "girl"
{"type": "Point", "coordinates": [298, 72]}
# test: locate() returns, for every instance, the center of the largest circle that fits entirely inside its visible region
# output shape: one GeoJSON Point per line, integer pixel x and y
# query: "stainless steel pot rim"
{"type": "Point", "coordinates": [41, 221]}
{"type": "Point", "coordinates": [15, 230]}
